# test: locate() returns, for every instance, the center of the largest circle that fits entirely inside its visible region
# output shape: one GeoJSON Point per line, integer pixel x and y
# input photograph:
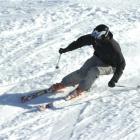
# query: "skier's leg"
{"type": "Point", "coordinates": [72, 79]}
{"type": "Point", "coordinates": [92, 68]}
{"type": "Point", "coordinates": [86, 83]}
{"type": "Point", "coordinates": [75, 77]}
{"type": "Point", "coordinates": [94, 73]}
{"type": "Point", "coordinates": [91, 62]}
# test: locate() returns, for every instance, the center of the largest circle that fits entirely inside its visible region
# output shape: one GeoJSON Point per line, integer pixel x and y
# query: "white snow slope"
{"type": "Point", "coordinates": [31, 33]}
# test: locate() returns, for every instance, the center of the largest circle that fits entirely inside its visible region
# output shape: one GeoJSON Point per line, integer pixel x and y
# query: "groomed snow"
{"type": "Point", "coordinates": [31, 33]}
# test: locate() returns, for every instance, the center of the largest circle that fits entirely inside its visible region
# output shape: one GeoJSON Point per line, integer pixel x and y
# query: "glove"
{"type": "Point", "coordinates": [111, 84]}
{"type": "Point", "coordinates": [61, 50]}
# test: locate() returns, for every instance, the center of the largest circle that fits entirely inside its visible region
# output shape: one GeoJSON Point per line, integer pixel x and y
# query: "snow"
{"type": "Point", "coordinates": [31, 33]}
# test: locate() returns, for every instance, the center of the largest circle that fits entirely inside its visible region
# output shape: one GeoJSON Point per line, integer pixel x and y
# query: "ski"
{"type": "Point", "coordinates": [68, 101]}
{"type": "Point", "coordinates": [65, 101]}
{"type": "Point", "coordinates": [33, 95]}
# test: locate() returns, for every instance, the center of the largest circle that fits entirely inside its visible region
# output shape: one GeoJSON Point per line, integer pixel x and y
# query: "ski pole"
{"type": "Point", "coordinates": [57, 65]}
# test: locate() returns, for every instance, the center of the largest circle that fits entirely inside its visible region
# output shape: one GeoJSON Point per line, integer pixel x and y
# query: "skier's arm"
{"type": "Point", "coordinates": [119, 69]}
{"type": "Point", "coordinates": [80, 42]}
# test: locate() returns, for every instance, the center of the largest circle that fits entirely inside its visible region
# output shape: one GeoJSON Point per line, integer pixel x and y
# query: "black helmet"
{"type": "Point", "coordinates": [101, 31]}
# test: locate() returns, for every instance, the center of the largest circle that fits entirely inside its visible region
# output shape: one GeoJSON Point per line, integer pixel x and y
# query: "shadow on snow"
{"type": "Point", "coordinates": [14, 99]}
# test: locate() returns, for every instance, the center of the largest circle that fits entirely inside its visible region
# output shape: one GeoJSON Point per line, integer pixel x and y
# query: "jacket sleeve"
{"type": "Point", "coordinates": [119, 68]}
{"type": "Point", "coordinates": [80, 42]}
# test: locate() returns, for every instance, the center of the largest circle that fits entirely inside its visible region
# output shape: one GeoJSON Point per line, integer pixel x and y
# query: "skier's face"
{"type": "Point", "coordinates": [98, 35]}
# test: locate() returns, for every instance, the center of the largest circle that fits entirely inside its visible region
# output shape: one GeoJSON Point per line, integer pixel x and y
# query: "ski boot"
{"type": "Point", "coordinates": [74, 94]}
{"type": "Point", "coordinates": [56, 87]}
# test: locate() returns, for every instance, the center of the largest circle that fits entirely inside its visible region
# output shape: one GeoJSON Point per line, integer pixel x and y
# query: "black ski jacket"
{"type": "Point", "coordinates": [108, 50]}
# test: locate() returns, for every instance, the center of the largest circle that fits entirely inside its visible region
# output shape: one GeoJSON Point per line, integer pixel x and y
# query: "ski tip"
{"type": "Point", "coordinates": [67, 98]}
{"type": "Point", "coordinates": [41, 108]}
{"type": "Point", "coordinates": [45, 106]}
{"type": "Point", "coordinates": [49, 105]}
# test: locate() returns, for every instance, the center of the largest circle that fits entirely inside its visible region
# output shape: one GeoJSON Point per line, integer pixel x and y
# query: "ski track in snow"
{"type": "Point", "coordinates": [31, 33]}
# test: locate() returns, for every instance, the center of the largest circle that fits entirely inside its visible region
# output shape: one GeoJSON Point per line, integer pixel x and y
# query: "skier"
{"type": "Point", "coordinates": [107, 59]}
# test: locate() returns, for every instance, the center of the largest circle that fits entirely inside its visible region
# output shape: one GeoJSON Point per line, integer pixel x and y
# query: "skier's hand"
{"type": "Point", "coordinates": [61, 50]}
{"type": "Point", "coordinates": [111, 84]}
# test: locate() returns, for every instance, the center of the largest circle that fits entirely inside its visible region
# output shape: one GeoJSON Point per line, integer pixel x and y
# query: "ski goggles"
{"type": "Point", "coordinates": [97, 35]}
